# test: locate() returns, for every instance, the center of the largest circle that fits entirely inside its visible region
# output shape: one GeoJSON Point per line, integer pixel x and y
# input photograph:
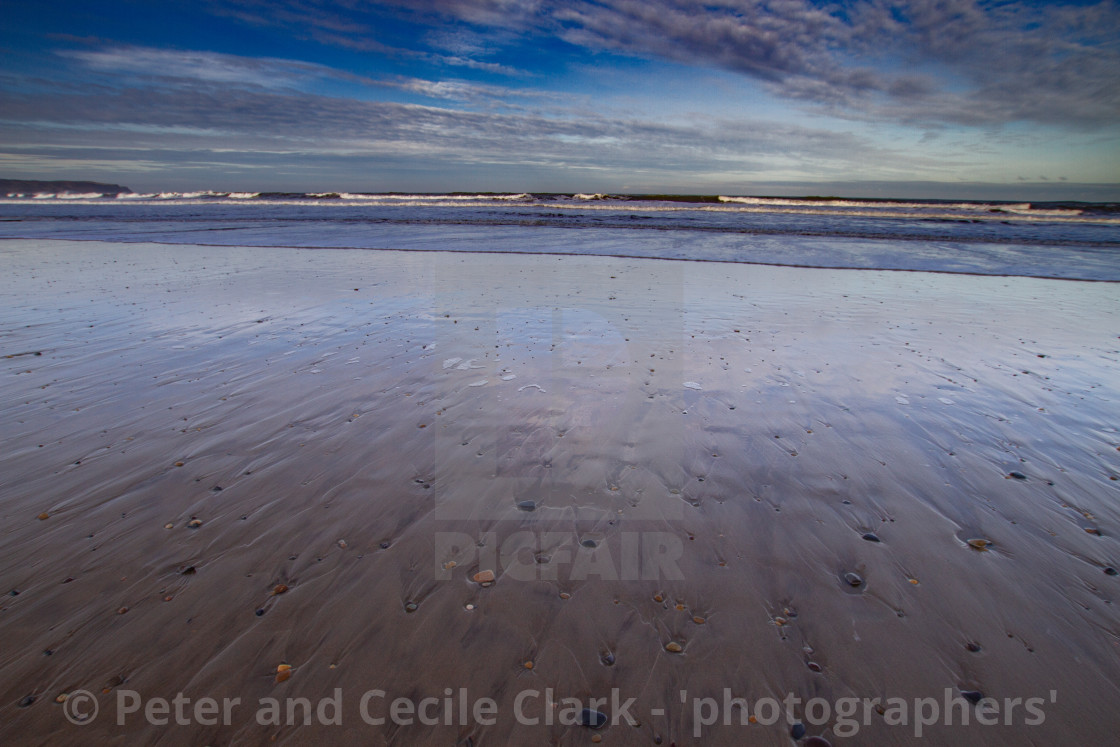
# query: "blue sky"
{"type": "Point", "coordinates": [933, 98]}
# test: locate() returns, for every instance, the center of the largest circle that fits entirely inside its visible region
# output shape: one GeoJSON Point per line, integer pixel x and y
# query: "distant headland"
{"type": "Point", "coordinates": [29, 187]}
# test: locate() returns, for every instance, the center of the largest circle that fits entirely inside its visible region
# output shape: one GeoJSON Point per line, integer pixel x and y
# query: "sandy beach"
{"type": "Point", "coordinates": [692, 482]}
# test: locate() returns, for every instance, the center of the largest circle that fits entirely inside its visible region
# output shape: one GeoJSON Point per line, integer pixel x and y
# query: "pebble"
{"type": "Point", "coordinates": [283, 672]}
{"type": "Point", "coordinates": [385, 545]}
{"type": "Point", "coordinates": [815, 667]}
{"type": "Point", "coordinates": [44, 516]}
{"type": "Point", "coordinates": [526, 506]}
{"type": "Point", "coordinates": [342, 544]}
{"type": "Point", "coordinates": [122, 610]}
{"type": "Point", "coordinates": [411, 607]}
{"type": "Point", "coordinates": [673, 647]}
{"type": "Point", "coordinates": [1093, 530]}
{"type": "Point", "coordinates": [698, 620]}
{"type": "Point", "coordinates": [27, 700]}
{"type": "Point", "coordinates": [1110, 571]}
{"type": "Point", "coordinates": [279, 589]}
{"type": "Point", "coordinates": [593, 719]}
{"type": "Point", "coordinates": [194, 523]}
{"type": "Point", "coordinates": [565, 595]}
{"type": "Point", "coordinates": [13, 593]}
{"type": "Point", "coordinates": [853, 579]}
{"type": "Point", "coordinates": [797, 731]}
{"type": "Point", "coordinates": [596, 738]}
{"type": "Point", "coordinates": [169, 525]}
{"type": "Point", "coordinates": [259, 612]}
{"type": "Point", "coordinates": [1017, 475]}
{"type": "Point", "coordinates": [607, 659]}
{"type": "Point", "coordinates": [61, 697]}
{"type": "Point", "coordinates": [528, 665]}
{"type": "Point", "coordinates": [484, 577]}
{"type": "Point", "coordinates": [979, 544]}
{"type": "Point", "coordinates": [589, 543]}
{"type": "Point", "coordinates": [972, 696]}
{"type": "Point", "coordinates": [871, 537]}
{"type": "Point", "coordinates": [972, 646]}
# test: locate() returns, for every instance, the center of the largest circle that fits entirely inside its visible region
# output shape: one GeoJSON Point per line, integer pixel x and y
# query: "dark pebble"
{"type": "Point", "coordinates": [972, 646]}
{"type": "Point", "coordinates": [27, 700]}
{"type": "Point", "coordinates": [216, 488]}
{"type": "Point", "coordinates": [797, 731]}
{"type": "Point", "coordinates": [853, 579]}
{"type": "Point", "coordinates": [259, 612]}
{"type": "Point", "coordinates": [607, 659]}
{"type": "Point", "coordinates": [972, 696]}
{"type": "Point", "coordinates": [384, 545]}
{"type": "Point", "coordinates": [1017, 475]}
{"type": "Point", "coordinates": [1110, 571]}
{"type": "Point", "coordinates": [814, 667]}
{"type": "Point", "coordinates": [589, 543]}
{"type": "Point", "coordinates": [526, 506]}
{"type": "Point", "coordinates": [871, 537]}
{"type": "Point", "coordinates": [593, 719]}
{"type": "Point", "coordinates": [13, 593]}
{"type": "Point", "coordinates": [411, 607]}
{"type": "Point", "coordinates": [188, 571]}
{"type": "Point", "coordinates": [48, 652]}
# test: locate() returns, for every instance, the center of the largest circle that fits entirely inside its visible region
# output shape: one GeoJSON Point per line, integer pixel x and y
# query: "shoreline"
{"type": "Point", "coordinates": [349, 426]}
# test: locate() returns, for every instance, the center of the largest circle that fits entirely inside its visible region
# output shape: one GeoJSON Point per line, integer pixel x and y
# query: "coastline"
{"type": "Point", "coordinates": [766, 418]}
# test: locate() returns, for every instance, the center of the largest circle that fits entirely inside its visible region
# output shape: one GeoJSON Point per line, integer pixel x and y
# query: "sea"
{"type": "Point", "coordinates": [1067, 240]}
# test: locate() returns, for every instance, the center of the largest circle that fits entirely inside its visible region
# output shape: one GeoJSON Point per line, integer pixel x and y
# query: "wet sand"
{"type": "Point", "coordinates": [705, 447]}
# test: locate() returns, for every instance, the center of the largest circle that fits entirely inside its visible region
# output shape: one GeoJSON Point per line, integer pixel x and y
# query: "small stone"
{"type": "Point", "coordinates": [342, 544]}
{"type": "Point", "coordinates": [699, 620]}
{"type": "Point", "coordinates": [279, 589]}
{"type": "Point", "coordinates": [411, 607]}
{"type": "Point", "coordinates": [853, 579]}
{"type": "Point", "coordinates": [122, 610]}
{"type": "Point", "coordinates": [979, 544]}
{"type": "Point", "coordinates": [673, 647]}
{"type": "Point", "coordinates": [972, 696]}
{"type": "Point", "coordinates": [528, 665]}
{"type": "Point", "coordinates": [194, 523]}
{"type": "Point", "coordinates": [658, 598]}
{"type": "Point", "coordinates": [178, 464]}
{"type": "Point", "coordinates": [283, 672]}
{"type": "Point", "coordinates": [61, 697]}
{"type": "Point", "coordinates": [797, 731]}
{"type": "Point", "coordinates": [259, 612]}
{"type": "Point", "coordinates": [1110, 571]}
{"type": "Point", "coordinates": [1093, 531]}
{"type": "Point", "coordinates": [914, 581]}
{"type": "Point", "coordinates": [607, 659]}
{"type": "Point", "coordinates": [188, 571]}
{"type": "Point", "coordinates": [526, 506]}
{"type": "Point", "coordinates": [596, 738]}
{"type": "Point", "coordinates": [484, 577]}
{"type": "Point", "coordinates": [468, 606]}
{"type": "Point", "coordinates": [13, 593]}
{"type": "Point", "coordinates": [592, 719]}
{"type": "Point", "coordinates": [814, 666]}
{"type": "Point", "coordinates": [972, 646]}
{"type": "Point", "coordinates": [44, 516]}
{"type": "Point", "coordinates": [169, 525]}
{"type": "Point", "coordinates": [1017, 475]}
{"type": "Point", "coordinates": [871, 537]}
{"type": "Point", "coordinates": [216, 489]}
{"type": "Point", "coordinates": [385, 545]}
{"type": "Point", "coordinates": [565, 595]}
{"type": "Point", "coordinates": [27, 700]}
{"type": "Point", "coordinates": [589, 543]}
